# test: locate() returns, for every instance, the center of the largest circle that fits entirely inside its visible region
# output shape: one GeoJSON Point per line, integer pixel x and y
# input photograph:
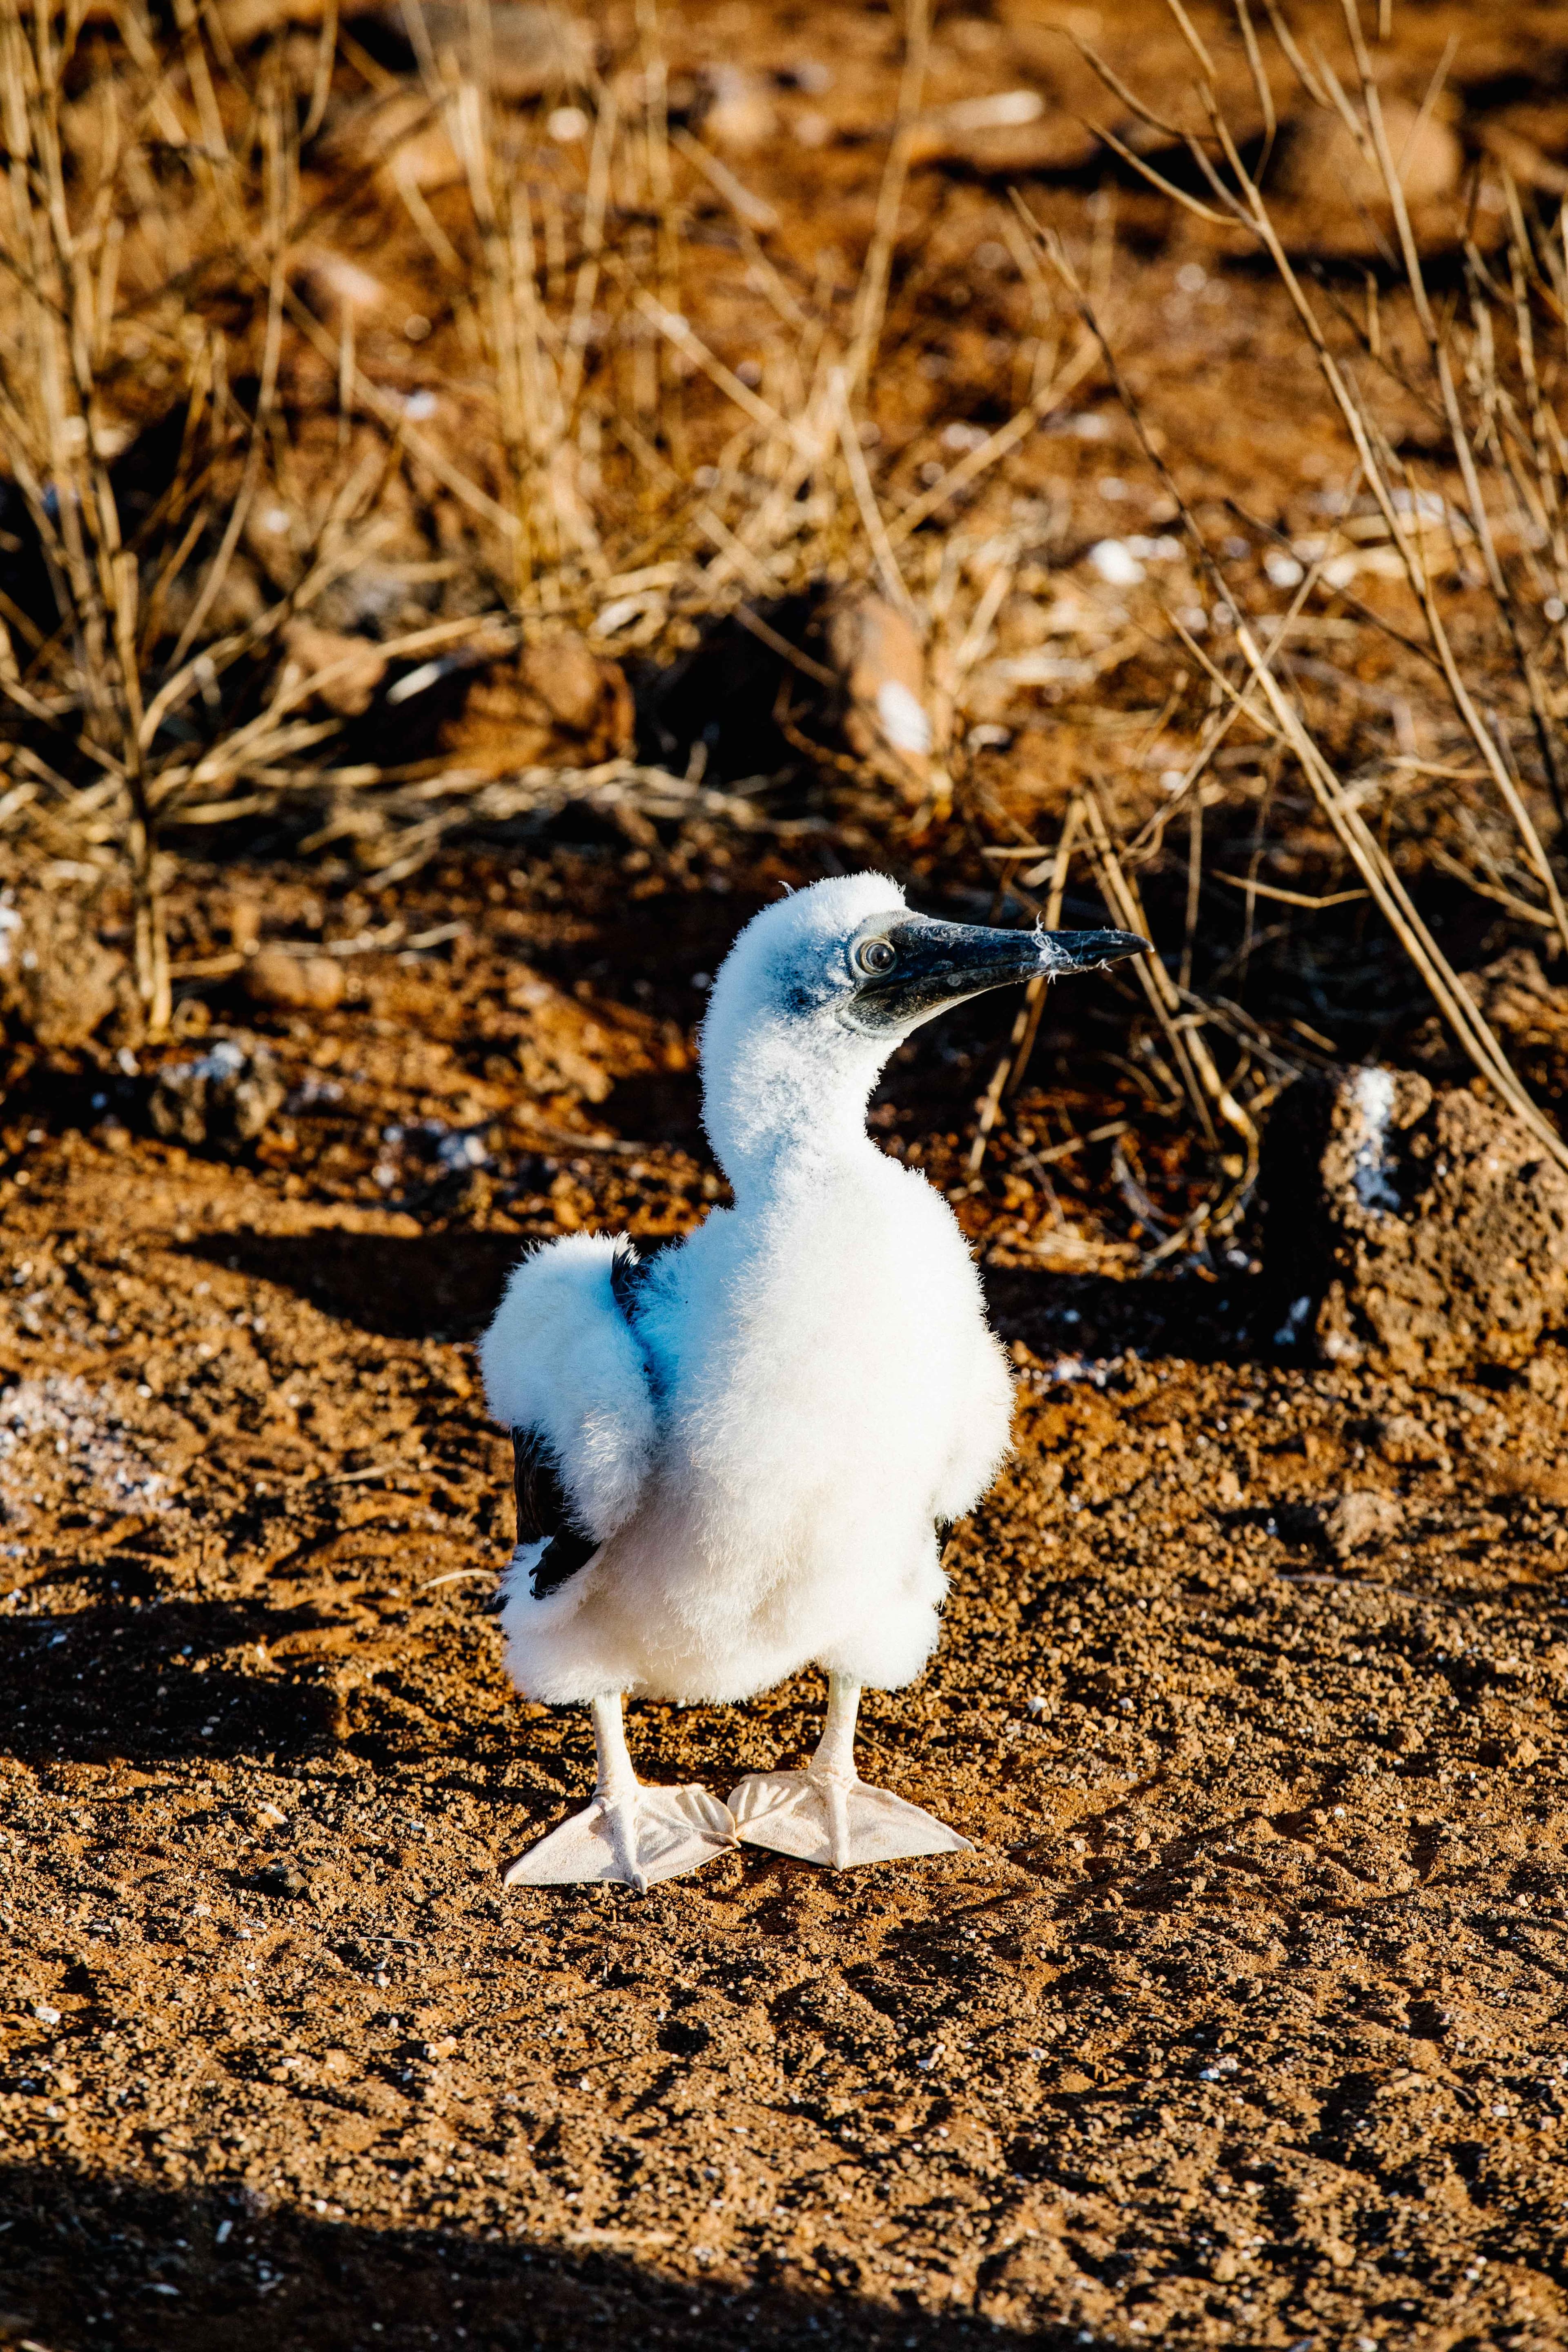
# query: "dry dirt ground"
{"type": "Point", "coordinates": [1243, 2024]}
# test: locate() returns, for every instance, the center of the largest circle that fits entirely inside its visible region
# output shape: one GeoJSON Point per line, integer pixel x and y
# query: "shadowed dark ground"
{"type": "Point", "coordinates": [94, 2262]}
{"type": "Point", "coordinates": [446, 1285]}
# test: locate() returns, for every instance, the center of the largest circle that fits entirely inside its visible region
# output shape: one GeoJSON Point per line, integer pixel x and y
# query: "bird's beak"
{"type": "Point", "coordinates": [942, 964]}
{"type": "Point", "coordinates": [1065, 952]}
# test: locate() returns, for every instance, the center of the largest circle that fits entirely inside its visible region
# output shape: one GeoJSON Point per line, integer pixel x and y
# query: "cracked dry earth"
{"type": "Point", "coordinates": [1243, 2024]}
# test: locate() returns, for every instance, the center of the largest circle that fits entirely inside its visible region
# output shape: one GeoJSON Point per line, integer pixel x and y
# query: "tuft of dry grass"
{"type": "Point", "coordinates": [1505, 438]}
{"type": "Point", "coordinates": [186, 368]}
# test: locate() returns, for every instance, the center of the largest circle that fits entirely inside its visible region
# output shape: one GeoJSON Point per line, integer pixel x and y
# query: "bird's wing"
{"type": "Point", "coordinates": [563, 1372]}
{"type": "Point", "coordinates": [545, 1526]}
{"type": "Point", "coordinates": [630, 1270]}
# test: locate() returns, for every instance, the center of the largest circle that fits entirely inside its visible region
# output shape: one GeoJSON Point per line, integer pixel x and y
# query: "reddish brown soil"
{"type": "Point", "coordinates": [1243, 2023]}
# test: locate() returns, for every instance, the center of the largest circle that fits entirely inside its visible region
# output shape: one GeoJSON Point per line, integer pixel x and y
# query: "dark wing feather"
{"type": "Point", "coordinates": [544, 1514]}
{"type": "Point", "coordinates": [630, 1272]}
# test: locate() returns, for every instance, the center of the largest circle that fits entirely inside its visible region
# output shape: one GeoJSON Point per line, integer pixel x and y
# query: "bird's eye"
{"type": "Point", "coordinates": [876, 956]}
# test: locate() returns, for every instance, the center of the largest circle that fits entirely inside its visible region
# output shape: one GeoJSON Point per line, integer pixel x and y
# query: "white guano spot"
{"type": "Point", "coordinates": [901, 718]}
{"type": "Point", "coordinates": [1115, 562]}
{"type": "Point", "coordinates": [1375, 1100]}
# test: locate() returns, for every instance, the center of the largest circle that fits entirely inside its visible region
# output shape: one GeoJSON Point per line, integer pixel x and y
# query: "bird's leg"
{"type": "Point", "coordinates": [631, 1836]}
{"type": "Point", "coordinates": [833, 1765]}
{"type": "Point", "coordinates": [615, 1789]}
{"type": "Point", "coordinates": [827, 1813]}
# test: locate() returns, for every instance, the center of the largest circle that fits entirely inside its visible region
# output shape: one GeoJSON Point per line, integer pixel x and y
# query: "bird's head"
{"type": "Point", "coordinates": [820, 987]}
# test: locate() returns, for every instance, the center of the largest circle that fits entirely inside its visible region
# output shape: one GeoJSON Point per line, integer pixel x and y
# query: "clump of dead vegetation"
{"type": "Point", "coordinates": [290, 561]}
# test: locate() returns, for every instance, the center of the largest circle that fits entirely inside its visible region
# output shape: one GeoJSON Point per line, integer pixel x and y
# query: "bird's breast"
{"type": "Point", "coordinates": [827, 1344]}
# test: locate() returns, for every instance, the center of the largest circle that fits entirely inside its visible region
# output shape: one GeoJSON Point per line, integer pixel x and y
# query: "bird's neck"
{"type": "Point", "coordinates": [782, 1115]}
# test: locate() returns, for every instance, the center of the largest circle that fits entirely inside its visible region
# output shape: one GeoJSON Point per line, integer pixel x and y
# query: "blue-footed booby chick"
{"type": "Point", "coordinates": [734, 1458]}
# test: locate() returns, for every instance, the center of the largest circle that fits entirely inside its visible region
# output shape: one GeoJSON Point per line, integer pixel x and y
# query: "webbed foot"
{"type": "Point", "coordinates": [633, 1837]}
{"type": "Point", "coordinates": [833, 1818]}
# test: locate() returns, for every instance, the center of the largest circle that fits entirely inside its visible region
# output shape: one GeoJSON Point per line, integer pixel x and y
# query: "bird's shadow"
{"type": "Point", "coordinates": [1095, 1318]}
{"type": "Point", "coordinates": [447, 1285]}
{"type": "Point", "coordinates": [434, 1286]}
{"type": "Point", "coordinates": [182, 2269]}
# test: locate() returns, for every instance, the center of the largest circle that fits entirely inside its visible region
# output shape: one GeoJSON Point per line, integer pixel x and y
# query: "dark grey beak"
{"type": "Point", "coordinates": [1065, 952]}
{"type": "Point", "coordinates": [933, 965]}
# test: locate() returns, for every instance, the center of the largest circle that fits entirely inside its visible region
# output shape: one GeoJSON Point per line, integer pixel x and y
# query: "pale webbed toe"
{"type": "Point", "coordinates": [634, 1837]}
{"type": "Point", "coordinates": [825, 1817]}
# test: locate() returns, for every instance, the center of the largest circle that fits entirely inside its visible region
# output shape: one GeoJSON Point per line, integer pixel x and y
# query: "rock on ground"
{"type": "Point", "coordinates": [1411, 1228]}
{"type": "Point", "coordinates": [294, 983]}
{"type": "Point", "coordinates": [228, 1096]}
{"type": "Point", "coordinates": [556, 704]}
{"type": "Point", "coordinates": [1362, 1520]}
{"type": "Point", "coordinates": [58, 983]}
{"type": "Point", "coordinates": [876, 651]}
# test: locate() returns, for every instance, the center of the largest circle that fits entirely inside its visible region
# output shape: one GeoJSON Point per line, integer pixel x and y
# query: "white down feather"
{"type": "Point", "coordinates": [824, 1383]}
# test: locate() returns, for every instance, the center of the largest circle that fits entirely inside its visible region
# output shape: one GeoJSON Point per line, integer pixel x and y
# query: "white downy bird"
{"type": "Point", "coordinates": [733, 1459]}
